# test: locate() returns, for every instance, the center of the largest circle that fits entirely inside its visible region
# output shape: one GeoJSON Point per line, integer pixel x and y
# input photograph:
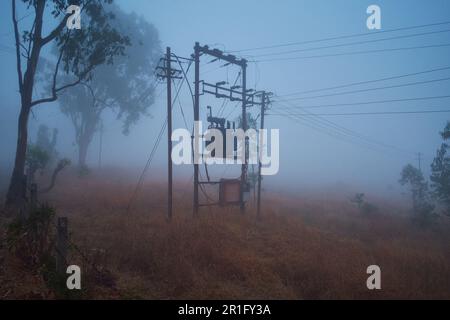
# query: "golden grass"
{"type": "Point", "coordinates": [300, 249]}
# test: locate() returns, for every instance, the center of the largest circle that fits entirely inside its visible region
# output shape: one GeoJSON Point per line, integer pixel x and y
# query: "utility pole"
{"type": "Point", "coordinates": [244, 127]}
{"type": "Point", "coordinates": [419, 160]}
{"type": "Point", "coordinates": [169, 132]}
{"type": "Point", "coordinates": [246, 97]}
{"type": "Point", "coordinates": [167, 72]}
{"type": "Point", "coordinates": [263, 111]}
{"type": "Point", "coordinates": [196, 118]}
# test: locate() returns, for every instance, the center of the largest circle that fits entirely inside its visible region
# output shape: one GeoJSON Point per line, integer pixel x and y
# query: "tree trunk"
{"type": "Point", "coordinates": [16, 192]}
{"type": "Point", "coordinates": [83, 146]}
{"type": "Point", "coordinates": [85, 133]}
{"type": "Point", "coordinates": [17, 187]}
{"type": "Point", "coordinates": [84, 141]}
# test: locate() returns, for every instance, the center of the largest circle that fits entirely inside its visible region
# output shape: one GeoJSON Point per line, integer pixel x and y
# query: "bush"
{"type": "Point", "coordinates": [37, 159]}
{"type": "Point", "coordinates": [33, 241]}
{"type": "Point", "coordinates": [440, 177]}
{"type": "Point", "coordinates": [362, 204]}
{"type": "Point", "coordinates": [32, 238]}
{"type": "Point", "coordinates": [422, 207]}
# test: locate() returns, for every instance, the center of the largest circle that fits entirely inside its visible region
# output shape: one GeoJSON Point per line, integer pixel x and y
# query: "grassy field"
{"type": "Point", "coordinates": [304, 247]}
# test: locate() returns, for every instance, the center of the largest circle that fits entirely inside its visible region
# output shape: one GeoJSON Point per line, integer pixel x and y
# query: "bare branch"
{"type": "Point", "coordinates": [55, 74]}
{"type": "Point", "coordinates": [31, 39]}
{"type": "Point", "coordinates": [18, 44]}
{"type": "Point", "coordinates": [55, 31]}
{"type": "Point", "coordinates": [55, 91]}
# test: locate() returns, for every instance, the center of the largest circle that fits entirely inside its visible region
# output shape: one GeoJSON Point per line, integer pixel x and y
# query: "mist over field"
{"type": "Point", "coordinates": [307, 157]}
{"type": "Point", "coordinates": [363, 120]}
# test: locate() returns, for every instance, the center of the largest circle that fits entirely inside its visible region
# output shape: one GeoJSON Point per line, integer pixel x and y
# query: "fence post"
{"type": "Point", "coordinates": [29, 178]}
{"type": "Point", "coordinates": [33, 197]}
{"type": "Point", "coordinates": [61, 245]}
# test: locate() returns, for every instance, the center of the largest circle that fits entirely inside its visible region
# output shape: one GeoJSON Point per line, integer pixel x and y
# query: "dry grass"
{"type": "Point", "coordinates": [301, 249]}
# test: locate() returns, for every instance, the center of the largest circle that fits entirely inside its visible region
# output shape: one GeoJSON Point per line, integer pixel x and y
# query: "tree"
{"type": "Point", "coordinates": [422, 206]}
{"type": "Point", "coordinates": [363, 205]}
{"type": "Point", "coordinates": [127, 87]}
{"type": "Point", "coordinates": [440, 168]}
{"type": "Point", "coordinates": [37, 160]}
{"type": "Point", "coordinates": [80, 52]}
{"type": "Point", "coordinates": [47, 142]}
{"type": "Point", "coordinates": [42, 154]}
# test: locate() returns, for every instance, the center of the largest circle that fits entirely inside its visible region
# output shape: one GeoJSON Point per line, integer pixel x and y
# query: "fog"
{"type": "Point", "coordinates": [312, 155]}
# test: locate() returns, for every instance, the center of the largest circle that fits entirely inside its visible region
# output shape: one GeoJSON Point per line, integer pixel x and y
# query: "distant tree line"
{"type": "Point", "coordinates": [431, 200]}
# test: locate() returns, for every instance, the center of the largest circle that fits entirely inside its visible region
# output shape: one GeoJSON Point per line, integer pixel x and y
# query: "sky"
{"type": "Point", "coordinates": [367, 151]}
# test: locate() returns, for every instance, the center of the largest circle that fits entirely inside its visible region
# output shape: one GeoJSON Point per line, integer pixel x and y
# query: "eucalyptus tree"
{"type": "Point", "coordinates": [127, 87]}
{"type": "Point", "coordinates": [80, 52]}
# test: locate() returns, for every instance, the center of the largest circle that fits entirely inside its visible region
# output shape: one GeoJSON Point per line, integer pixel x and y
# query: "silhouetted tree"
{"type": "Point", "coordinates": [422, 206]}
{"type": "Point", "coordinates": [363, 205]}
{"type": "Point", "coordinates": [46, 141]}
{"type": "Point", "coordinates": [42, 154]}
{"type": "Point", "coordinates": [127, 87]}
{"type": "Point", "coordinates": [37, 160]}
{"type": "Point", "coordinates": [440, 177]}
{"type": "Point", "coordinates": [79, 53]}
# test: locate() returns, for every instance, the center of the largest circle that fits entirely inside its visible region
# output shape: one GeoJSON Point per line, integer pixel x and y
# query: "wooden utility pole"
{"type": "Point", "coordinates": [220, 91]}
{"type": "Point", "coordinates": [244, 167]}
{"type": "Point", "coordinates": [169, 74]}
{"type": "Point", "coordinates": [260, 149]}
{"type": "Point", "coordinates": [169, 132]}
{"type": "Point", "coordinates": [196, 118]}
{"type": "Point", "coordinates": [419, 160]}
{"type": "Point", "coordinates": [33, 197]}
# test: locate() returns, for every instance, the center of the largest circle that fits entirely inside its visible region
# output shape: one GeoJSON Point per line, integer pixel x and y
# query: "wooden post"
{"type": "Point", "coordinates": [62, 240]}
{"type": "Point", "coordinates": [261, 146]}
{"type": "Point", "coordinates": [244, 167]}
{"type": "Point", "coordinates": [169, 133]}
{"type": "Point", "coordinates": [196, 118]}
{"type": "Point", "coordinates": [33, 197]}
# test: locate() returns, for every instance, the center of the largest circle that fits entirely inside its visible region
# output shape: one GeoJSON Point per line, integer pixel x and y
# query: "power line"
{"type": "Point", "coordinates": [339, 136]}
{"type": "Point", "coordinates": [153, 152]}
{"type": "Point", "coordinates": [354, 53]}
{"type": "Point", "coordinates": [147, 165]}
{"type": "Point", "coordinates": [352, 43]}
{"type": "Point", "coordinates": [365, 113]}
{"type": "Point", "coordinates": [378, 148]}
{"type": "Point", "coordinates": [369, 102]}
{"type": "Point", "coordinates": [345, 130]}
{"type": "Point", "coordinates": [371, 89]}
{"type": "Point", "coordinates": [225, 102]}
{"type": "Point", "coordinates": [185, 72]}
{"type": "Point", "coordinates": [341, 37]}
{"type": "Point", "coordinates": [232, 110]}
{"type": "Point", "coordinates": [366, 82]}
{"type": "Point", "coordinates": [340, 129]}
